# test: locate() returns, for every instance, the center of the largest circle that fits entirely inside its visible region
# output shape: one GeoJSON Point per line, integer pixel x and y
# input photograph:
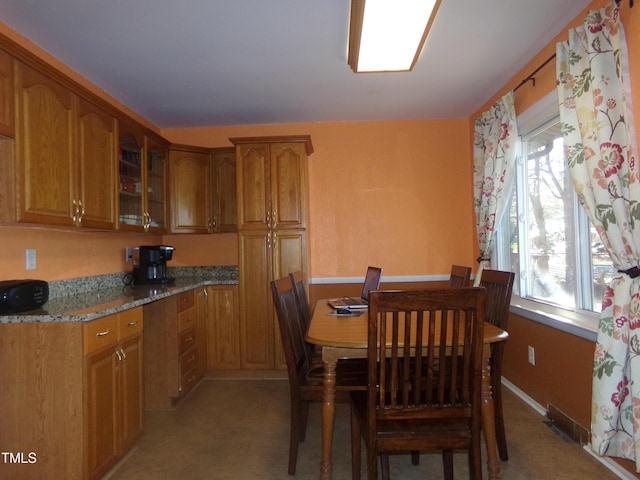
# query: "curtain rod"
{"type": "Point", "coordinates": [531, 76]}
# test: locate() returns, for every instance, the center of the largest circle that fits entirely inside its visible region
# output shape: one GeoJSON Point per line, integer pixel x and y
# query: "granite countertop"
{"type": "Point", "coordinates": [98, 298]}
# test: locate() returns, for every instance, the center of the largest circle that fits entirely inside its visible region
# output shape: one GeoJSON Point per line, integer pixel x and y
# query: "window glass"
{"type": "Point", "coordinates": [546, 237]}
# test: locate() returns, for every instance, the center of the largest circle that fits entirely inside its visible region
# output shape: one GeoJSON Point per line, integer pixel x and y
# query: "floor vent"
{"type": "Point", "coordinates": [565, 426]}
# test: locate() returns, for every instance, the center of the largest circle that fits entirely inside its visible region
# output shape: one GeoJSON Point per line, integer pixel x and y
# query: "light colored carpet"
{"type": "Point", "coordinates": [239, 430]}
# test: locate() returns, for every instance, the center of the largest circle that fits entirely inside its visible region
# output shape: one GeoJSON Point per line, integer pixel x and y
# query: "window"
{"type": "Point", "coordinates": [545, 236]}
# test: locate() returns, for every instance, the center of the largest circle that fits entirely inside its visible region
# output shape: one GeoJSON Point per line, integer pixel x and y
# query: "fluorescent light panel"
{"type": "Point", "coordinates": [387, 35]}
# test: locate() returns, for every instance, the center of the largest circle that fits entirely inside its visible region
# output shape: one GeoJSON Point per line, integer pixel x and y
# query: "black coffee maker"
{"type": "Point", "coordinates": [150, 265]}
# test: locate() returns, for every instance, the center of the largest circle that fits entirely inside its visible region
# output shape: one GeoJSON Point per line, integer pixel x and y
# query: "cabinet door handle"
{"type": "Point", "coordinates": [124, 355]}
{"type": "Point", "coordinates": [273, 219]}
{"type": "Point", "coordinates": [275, 240]}
{"type": "Point", "coordinates": [80, 211]}
{"type": "Point", "coordinates": [118, 355]}
{"type": "Point", "coordinates": [74, 217]}
{"type": "Point", "coordinates": [103, 333]}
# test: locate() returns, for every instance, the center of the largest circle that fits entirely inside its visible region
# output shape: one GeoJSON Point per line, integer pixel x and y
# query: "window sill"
{"type": "Point", "coordinates": [578, 323]}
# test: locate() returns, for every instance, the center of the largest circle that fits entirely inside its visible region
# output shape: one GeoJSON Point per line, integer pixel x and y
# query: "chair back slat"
{"type": "Point", "coordinates": [425, 351]}
{"type": "Point", "coordinates": [301, 297]}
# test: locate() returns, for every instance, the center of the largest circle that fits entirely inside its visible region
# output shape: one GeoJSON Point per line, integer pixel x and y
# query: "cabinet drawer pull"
{"type": "Point", "coordinates": [104, 333]}
{"type": "Point", "coordinates": [188, 340]}
{"type": "Point", "coordinates": [132, 324]}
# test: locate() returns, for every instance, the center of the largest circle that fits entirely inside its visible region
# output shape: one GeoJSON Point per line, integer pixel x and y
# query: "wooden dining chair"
{"type": "Point", "coordinates": [460, 276]}
{"type": "Point", "coordinates": [426, 397]}
{"type": "Point", "coordinates": [305, 378]}
{"type": "Point", "coordinates": [499, 286]}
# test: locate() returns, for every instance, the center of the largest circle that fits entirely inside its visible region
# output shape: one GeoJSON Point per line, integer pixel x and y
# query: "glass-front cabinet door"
{"type": "Point", "coordinates": [142, 166]}
{"type": "Point", "coordinates": [130, 158]}
{"type": "Point", "coordinates": [156, 185]}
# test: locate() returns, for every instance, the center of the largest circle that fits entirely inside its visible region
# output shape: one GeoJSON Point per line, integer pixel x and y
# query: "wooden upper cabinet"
{"type": "Point", "coordinates": [6, 95]}
{"type": "Point", "coordinates": [272, 181]}
{"type": "Point", "coordinates": [189, 175]}
{"type": "Point", "coordinates": [45, 150]}
{"type": "Point", "coordinates": [288, 185]}
{"type": "Point", "coordinates": [63, 171]}
{"type": "Point", "coordinates": [97, 146]}
{"type": "Point", "coordinates": [254, 194]}
{"type": "Point", "coordinates": [142, 169]}
{"type": "Point", "coordinates": [130, 170]}
{"type": "Point", "coordinates": [224, 196]}
{"type": "Point", "coordinates": [156, 200]}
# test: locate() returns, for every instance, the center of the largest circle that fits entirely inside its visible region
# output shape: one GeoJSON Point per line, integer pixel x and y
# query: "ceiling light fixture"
{"type": "Point", "coordinates": [388, 35]}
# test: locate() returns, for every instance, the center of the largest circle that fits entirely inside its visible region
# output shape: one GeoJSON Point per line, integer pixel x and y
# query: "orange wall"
{"type": "Point", "coordinates": [64, 254]}
{"type": "Point", "coordinates": [396, 194]}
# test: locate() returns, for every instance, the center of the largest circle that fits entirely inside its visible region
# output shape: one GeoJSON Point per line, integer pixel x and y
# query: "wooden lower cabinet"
{"type": "Point", "coordinates": [222, 329]}
{"type": "Point", "coordinates": [171, 353]}
{"type": "Point", "coordinates": [114, 403]}
{"type": "Point", "coordinates": [265, 256]}
{"type": "Point", "coordinates": [73, 396]}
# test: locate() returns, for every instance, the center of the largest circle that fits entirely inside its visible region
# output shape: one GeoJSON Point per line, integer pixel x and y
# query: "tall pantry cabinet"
{"type": "Point", "coordinates": [272, 188]}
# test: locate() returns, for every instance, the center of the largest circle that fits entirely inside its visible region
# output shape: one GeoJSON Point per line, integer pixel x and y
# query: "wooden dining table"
{"type": "Point", "coordinates": [344, 337]}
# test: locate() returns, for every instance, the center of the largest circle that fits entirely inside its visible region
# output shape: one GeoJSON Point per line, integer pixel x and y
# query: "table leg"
{"type": "Point", "coordinates": [328, 417]}
{"type": "Point", "coordinates": [488, 418]}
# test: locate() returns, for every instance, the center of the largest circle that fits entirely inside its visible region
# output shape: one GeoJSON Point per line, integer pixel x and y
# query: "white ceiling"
{"type": "Point", "coordinates": [247, 62]}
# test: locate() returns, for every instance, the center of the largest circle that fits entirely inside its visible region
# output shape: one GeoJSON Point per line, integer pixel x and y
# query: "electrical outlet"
{"type": "Point", "coordinates": [532, 355]}
{"type": "Point", "coordinates": [128, 254]}
{"type": "Point", "coordinates": [30, 256]}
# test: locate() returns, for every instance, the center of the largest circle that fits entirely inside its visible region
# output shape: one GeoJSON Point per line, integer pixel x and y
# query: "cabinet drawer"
{"type": "Point", "coordinates": [130, 323]}
{"type": "Point", "coordinates": [188, 361]}
{"type": "Point", "coordinates": [187, 319]}
{"type": "Point", "coordinates": [186, 300]}
{"type": "Point", "coordinates": [100, 333]}
{"type": "Point", "coordinates": [186, 339]}
{"type": "Point", "coordinates": [188, 381]}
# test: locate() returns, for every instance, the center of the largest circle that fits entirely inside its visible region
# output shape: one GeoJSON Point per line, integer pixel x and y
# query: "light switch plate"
{"type": "Point", "coordinates": [30, 255]}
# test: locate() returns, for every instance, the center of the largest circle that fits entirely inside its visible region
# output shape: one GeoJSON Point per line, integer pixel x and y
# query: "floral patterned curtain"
{"type": "Point", "coordinates": [494, 157]}
{"type": "Point", "coordinates": [599, 133]}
